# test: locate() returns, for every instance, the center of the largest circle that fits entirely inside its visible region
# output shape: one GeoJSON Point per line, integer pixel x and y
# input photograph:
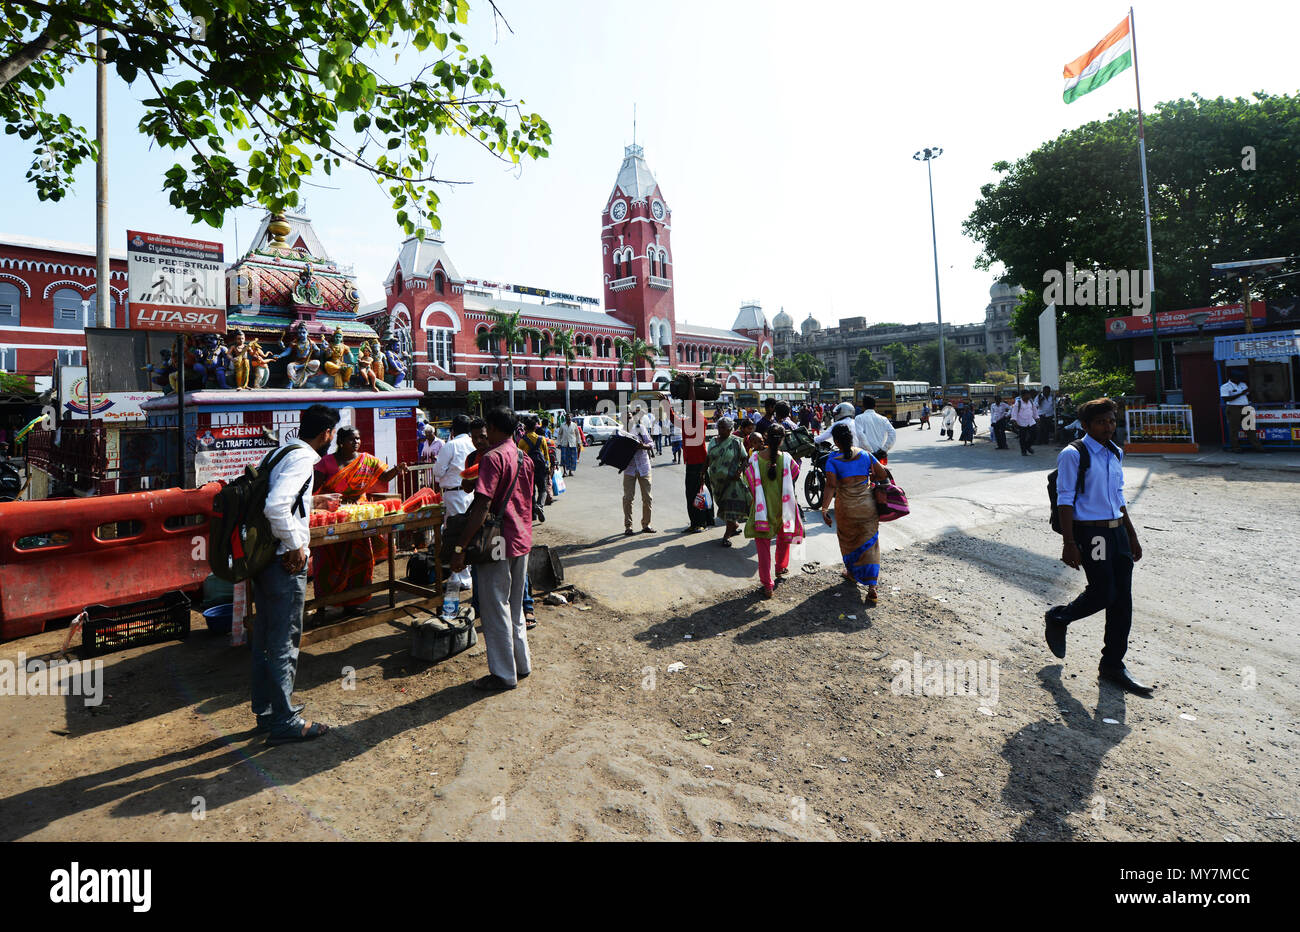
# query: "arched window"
{"type": "Point", "coordinates": [439, 282]}
{"type": "Point", "coordinates": [11, 305]}
{"type": "Point", "coordinates": [654, 263]}
{"type": "Point", "coordinates": [68, 314]}
{"type": "Point", "coordinates": [398, 283]}
{"type": "Point", "coordinates": [663, 263]}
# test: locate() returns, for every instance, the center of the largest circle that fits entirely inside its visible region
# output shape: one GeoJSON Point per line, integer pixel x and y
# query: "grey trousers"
{"type": "Point", "coordinates": [501, 600]}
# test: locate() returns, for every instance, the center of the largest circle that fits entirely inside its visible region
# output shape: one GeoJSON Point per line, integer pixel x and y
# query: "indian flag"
{"type": "Point", "coordinates": [1100, 63]}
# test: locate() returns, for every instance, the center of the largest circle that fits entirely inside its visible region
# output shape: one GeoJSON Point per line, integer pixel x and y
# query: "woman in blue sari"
{"type": "Point", "coordinates": [857, 525]}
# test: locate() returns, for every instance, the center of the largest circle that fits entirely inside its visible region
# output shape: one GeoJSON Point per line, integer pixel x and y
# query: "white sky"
{"type": "Point", "coordinates": [781, 136]}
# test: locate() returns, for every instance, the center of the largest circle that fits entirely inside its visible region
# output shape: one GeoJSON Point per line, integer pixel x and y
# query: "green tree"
{"type": "Point", "coordinates": [508, 331]}
{"type": "Point", "coordinates": [296, 84]}
{"type": "Point", "coordinates": [904, 357]}
{"type": "Point", "coordinates": [1078, 198]}
{"type": "Point", "coordinates": [866, 368]}
{"type": "Point", "coordinates": [633, 352]}
{"type": "Point", "coordinates": [810, 367]}
{"type": "Point", "coordinates": [747, 360]}
{"type": "Point", "coordinates": [787, 370]}
{"type": "Point", "coordinates": [566, 346]}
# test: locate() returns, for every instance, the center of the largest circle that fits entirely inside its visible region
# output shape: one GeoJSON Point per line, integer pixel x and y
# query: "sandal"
{"type": "Point", "coordinates": [530, 621]}
{"type": "Point", "coordinates": [872, 596]}
{"type": "Point", "coordinates": [725, 542]}
{"type": "Point", "coordinates": [309, 731]}
{"type": "Point", "coordinates": [767, 592]}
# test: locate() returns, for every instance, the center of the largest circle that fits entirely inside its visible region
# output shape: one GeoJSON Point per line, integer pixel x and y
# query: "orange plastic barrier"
{"type": "Point", "coordinates": [60, 555]}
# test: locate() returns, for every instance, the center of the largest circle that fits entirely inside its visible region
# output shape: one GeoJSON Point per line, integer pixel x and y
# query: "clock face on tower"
{"type": "Point", "coordinates": [619, 210]}
{"type": "Point", "coordinates": [658, 210]}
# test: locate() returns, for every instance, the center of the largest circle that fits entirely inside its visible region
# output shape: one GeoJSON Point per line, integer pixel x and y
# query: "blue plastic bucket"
{"type": "Point", "coordinates": [219, 618]}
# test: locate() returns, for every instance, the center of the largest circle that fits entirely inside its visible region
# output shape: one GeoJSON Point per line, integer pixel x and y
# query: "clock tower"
{"type": "Point", "coordinates": [637, 255]}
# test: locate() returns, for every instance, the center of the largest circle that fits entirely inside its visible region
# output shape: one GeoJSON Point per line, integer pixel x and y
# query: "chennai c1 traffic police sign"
{"type": "Point", "coordinates": [176, 284]}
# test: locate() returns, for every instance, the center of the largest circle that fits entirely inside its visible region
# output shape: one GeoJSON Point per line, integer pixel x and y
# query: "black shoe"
{"type": "Point", "coordinates": [1054, 631]}
{"type": "Point", "coordinates": [1123, 680]}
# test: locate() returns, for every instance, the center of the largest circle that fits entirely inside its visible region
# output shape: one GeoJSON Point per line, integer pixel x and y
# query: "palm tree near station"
{"type": "Point", "coordinates": [566, 346]}
{"type": "Point", "coordinates": [633, 352]}
{"type": "Point", "coordinates": [507, 329]}
{"type": "Point", "coordinates": [747, 360]}
{"type": "Point", "coordinates": [721, 361]}
{"type": "Point", "coordinates": [813, 369]}
{"type": "Point", "coordinates": [762, 366]}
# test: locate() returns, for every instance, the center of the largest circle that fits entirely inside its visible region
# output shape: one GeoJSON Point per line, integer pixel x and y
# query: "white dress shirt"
{"type": "Point", "coordinates": [1023, 413]}
{"type": "Point", "coordinates": [1234, 393]}
{"type": "Point", "coordinates": [451, 460]}
{"type": "Point", "coordinates": [825, 436]}
{"type": "Point", "coordinates": [288, 507]}
{"type": "Point", "coordinates": [1046, 405]}
{"type": "Point", "coordinates": [874, 432]}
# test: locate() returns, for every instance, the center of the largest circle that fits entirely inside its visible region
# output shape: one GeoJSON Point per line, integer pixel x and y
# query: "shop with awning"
{"type": "Point", "coordinates": [1267, 363]}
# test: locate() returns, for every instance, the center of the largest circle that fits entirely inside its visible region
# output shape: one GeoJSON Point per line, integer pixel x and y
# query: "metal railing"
{"type": "Point", "coordinates": [1160, 424]}
{"type": "Point", "coordinates": [120, 459]}
{"type": "Point", "coordinates": [658, 281]}
{"type": "Point", "coordinates": [621, 284]}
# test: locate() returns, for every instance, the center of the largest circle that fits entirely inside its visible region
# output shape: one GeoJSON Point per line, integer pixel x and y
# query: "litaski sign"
{"type": "Point", "coordinates": [176, 284]}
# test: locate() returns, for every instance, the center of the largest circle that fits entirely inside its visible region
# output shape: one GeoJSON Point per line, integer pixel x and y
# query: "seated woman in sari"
{"type": "Point", "coordinates": [350, 565]}
{"type": "Point", "coordinates": [848, 484]}
{"type": "Point", "coordinates": [727, 459]}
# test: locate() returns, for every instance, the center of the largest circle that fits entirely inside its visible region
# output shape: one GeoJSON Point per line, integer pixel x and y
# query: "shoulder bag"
{"type": "Point", "coordinates": [488, 544]}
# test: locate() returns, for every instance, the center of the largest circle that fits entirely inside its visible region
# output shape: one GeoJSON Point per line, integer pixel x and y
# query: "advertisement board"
{"type": "Point", "coordinates": [1223, 317]}
{"type": "Point", "coordinates": [119, 407]}
{"type": "Point", "coordinates": [176, 284]}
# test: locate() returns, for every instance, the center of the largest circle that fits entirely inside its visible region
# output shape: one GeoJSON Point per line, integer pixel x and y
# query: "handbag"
{"type": "Point", "coordinates": [703, 500]}
{"type": "Point", "coordinates": [557, 482]}
{"type": "Point", "coordinates": [891, 502]}
{"type": "Point", "coordinates": [488, 544]}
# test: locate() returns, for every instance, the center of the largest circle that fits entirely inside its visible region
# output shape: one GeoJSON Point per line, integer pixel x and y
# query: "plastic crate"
{"type": "Point", "coordinates": [118, 627]}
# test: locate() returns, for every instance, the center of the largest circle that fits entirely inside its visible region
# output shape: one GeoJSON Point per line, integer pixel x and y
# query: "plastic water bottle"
{"type": "Point", "coordinates": [451, 599]}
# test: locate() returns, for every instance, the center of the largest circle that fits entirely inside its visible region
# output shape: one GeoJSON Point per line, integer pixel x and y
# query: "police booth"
{"type": "Point", "coordinates": [1269, 360]}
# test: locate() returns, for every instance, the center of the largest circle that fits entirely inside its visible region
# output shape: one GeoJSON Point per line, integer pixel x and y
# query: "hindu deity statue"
{"type": "Point", "coordinates": [366, 365]}
{"type": "Point", "coordinates": [239, 360]}
{"type": "Point", "coordinates": [162, 375]}
{"type": "Point", "coordinates": [258, 364]}
{"type": "Point", "coordinates": [337, 360]}
{"type": "Point", "coordinates": [392, 370]}
{"type": "Point", "coordinates": [211, 360]}
{"type": "Point", "coordinates": [300, 354]}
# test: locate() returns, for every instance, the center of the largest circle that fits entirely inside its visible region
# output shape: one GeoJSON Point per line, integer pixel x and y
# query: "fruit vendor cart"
{"type": "Point", "coordinates": [408, 602]}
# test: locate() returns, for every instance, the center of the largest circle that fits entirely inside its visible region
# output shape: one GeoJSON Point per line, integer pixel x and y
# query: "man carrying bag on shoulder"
{"type": "Point", "coordinates": [505, 488]}
{"type": "Point", "coordinates": [1100, 538]}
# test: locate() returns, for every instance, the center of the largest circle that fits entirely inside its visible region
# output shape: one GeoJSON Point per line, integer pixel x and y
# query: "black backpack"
{"type": "Point", "coordinates": [240, 541]}
{"type": "Point", "coordinates": [1085, 460]}
{"type": "Point", "coordinates": [800, 443]}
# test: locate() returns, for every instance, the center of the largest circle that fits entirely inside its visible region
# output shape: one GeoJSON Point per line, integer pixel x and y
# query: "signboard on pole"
{"type": "Point", "coordinates": [176, 284]}
{"type": "Point", "coordinates": [1049, 359]}
{"type": "Point", "coordinates": [75, 401]}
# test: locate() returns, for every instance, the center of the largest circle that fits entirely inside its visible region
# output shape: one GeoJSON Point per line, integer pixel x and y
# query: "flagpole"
{"type": "Point", "coordinates": [1146, 208]}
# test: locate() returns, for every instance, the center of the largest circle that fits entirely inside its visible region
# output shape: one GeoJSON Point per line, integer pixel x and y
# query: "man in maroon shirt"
{"type": "Point", "coordinates": [505, 488]}
{"type": "Point", "coordinates": [696, 457]}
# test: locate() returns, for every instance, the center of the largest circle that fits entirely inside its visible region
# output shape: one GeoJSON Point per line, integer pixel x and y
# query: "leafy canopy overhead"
{"type": "Point", "coordinates": [298, 85]}
{"type": "Point", "coordinates": [1222, 178]}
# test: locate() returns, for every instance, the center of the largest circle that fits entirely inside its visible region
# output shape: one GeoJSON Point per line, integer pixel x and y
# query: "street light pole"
{"type": "Point", "coordinates": [927, 156]}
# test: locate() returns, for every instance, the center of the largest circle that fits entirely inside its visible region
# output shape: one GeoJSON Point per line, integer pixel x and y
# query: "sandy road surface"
{"type": "Point", "coordinates": [812, 731]}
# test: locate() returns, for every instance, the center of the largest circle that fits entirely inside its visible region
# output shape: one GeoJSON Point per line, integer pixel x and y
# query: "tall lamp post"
{"type": "Point", "coordinates": [927, 156]}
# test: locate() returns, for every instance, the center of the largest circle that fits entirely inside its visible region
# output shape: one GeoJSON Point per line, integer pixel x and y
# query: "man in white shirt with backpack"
{"type": "Point", "coordinates": [280, 588]}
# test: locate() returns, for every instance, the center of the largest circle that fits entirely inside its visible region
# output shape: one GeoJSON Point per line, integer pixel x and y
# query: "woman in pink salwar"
{"type": "Point", "coordinates": [774, 512]}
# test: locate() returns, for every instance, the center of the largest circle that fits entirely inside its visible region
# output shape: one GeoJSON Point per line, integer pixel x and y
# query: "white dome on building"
{"type": "Point", "coordinates": [1002, 291]}
{"type": "Point", "coordinates": [782, 321]}
{"type": "Point", "coordinates": [810, 325]}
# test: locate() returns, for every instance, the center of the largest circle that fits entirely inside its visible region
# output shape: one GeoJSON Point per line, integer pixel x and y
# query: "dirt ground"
{"type": "Point", "coordinates": [797, 718]}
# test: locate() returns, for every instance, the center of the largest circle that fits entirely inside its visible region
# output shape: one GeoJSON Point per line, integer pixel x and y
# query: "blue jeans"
{"type": "Point", "coordinates": [473, 599]}
{"type": "Point", "coordinates": [277, 632]}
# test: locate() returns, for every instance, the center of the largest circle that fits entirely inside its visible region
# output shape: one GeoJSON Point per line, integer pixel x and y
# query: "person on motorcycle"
{"type": "Point", "coordinates": [843, 414]}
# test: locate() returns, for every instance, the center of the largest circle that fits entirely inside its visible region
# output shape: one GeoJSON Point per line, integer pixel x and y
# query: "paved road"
{"type": "Point", "coordinates": [951, 487]}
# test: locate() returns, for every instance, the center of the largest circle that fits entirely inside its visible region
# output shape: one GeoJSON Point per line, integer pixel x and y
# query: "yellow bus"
{"type": "Point", "coordinates": [979, 394]}
{"type": "Point", "coordinates": [898, 401]}
{"type": "Point", "coordinates": [833, 396]}
{"type": "Point", "coordinates": [1011, 389]}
